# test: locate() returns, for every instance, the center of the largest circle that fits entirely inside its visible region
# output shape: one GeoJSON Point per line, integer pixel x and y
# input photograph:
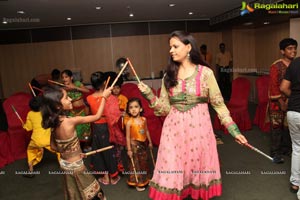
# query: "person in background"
{"type": "Point", "coordinates": [280, 138]}
{"type": "Point", "coordinates": [117, 92]}
{"type": "Point", "coordinates": [119, 64]}
{"type": "Point", "coordinates": [40, 137]}
{"type": "Point", "coordinates": [41, 80]}
{"type": "Point", "coordinates": [78, 184]}
{"type": "Point", "coordinates": [114, 116]}
{"type": "Point", "coordinates": [290, 86]}
{"type": "Point", "coordinates": [205, 55]}
{"type": "Point", "coordinates": [187, 160]}
{"type": "Point", "coordinates": [137, 139]}
{"type": "Point", "coordinates": [225, 70]}
{"type": "Point", "coordinates": [55, 75]}
{"type": "Point", "coordinates": [75, 90]}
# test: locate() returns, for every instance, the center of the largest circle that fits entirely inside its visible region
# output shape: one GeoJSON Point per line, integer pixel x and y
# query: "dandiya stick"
{"type": "Point", "coordinates": [57, 83]}
{"type": "Point", "coordinates": [258, 151]}
{"type": "Point", "coordinates": [120, 73]}
{"type": "Point", "coordinates": [31, 89]}
{"type": "Point", "coordinates": [107, 81]}
{"type": "Point", "coordinates": [37, 89]}
{"type": "Point", "coordinates": [134, 72]}
{"type": "Point", "coordinates": [15, 111]}
{"type": "Point", "coordinates": [99, 150]}
{"type": "Point", "coordinates": [151, 153]}
{"type": "Point", "coordinates": [134, 170]}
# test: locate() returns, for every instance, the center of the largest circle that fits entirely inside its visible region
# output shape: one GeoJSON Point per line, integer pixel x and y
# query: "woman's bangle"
{"type": "Point", "coordinates": [129, 150]}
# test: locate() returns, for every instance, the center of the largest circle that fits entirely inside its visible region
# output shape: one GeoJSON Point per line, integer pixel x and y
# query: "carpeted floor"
{"type": "Point", "coordinates": [246, 175]}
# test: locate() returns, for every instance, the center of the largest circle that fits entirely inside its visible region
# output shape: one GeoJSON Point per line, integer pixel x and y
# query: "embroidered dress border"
{"type": "Point", "coordinates": [179, 192]}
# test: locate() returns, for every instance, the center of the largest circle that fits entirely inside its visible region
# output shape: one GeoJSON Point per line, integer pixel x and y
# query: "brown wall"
{"type": "Point", "coordinates": [19, 63]}
{"type": "Point", "coordinates": [267, 44]}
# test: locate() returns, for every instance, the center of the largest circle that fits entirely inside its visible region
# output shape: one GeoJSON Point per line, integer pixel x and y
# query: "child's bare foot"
{"type": "Point", "coordinates": [103, 180]}
{"type": "Point", "coordinates": [29, 174]}
{"type": "Point", "coordinates": [114, 181]}
{"type": "Point", "coordinates": [140, 189]}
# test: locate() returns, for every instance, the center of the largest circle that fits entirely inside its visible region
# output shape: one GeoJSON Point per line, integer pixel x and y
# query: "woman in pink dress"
{"type": "Point", "coordinates": [187, 161]}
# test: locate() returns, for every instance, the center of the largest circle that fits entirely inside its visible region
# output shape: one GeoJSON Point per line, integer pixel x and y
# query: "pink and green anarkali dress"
{"type": "Point", "coordinates": [187, 161]}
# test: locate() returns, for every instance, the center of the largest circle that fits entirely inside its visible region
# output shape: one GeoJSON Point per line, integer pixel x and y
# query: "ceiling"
{"type": "Point", "coordinates": [54, 13]}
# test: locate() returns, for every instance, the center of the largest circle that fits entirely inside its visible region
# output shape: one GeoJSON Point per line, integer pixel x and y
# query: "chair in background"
{"type": "Point", "coordinates": [154, 123]}
{"type": "Point", "coordinates": [5, 153]}
{"type": "Point", "coordinates": [18, 137]}
{"type": "Point", "coordinates": [238, 105]}
{"type": "Point", "coordinates": [5, 149]}
{"type": "Point", "coordinates": [262, 86]}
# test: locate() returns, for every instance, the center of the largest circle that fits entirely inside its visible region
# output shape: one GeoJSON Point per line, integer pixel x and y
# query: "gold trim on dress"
{"type": "Point", "coordinates": [179, 192]}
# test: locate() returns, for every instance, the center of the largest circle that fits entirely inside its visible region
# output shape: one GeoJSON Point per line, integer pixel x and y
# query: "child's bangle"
{"type": "Point", "coordinates": [104, 98]}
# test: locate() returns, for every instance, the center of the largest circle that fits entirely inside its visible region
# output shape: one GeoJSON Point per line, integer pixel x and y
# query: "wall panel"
{"type": "Point", "coordinates": [159, 46]}
{"type": "Point", "coordinates": [21, 62]}
{"type": "Point", "coordinates": [267, 44]}
{"type": "Point", "coordinates": [137, 49]}
{"type": "Point", "coordinates": [244, 51]}
{"type": "Point", "coordinates": [92, 55]}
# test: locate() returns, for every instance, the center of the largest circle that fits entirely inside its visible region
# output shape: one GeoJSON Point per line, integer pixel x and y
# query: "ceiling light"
{"type": "Point", "coordinates": [191, 13]}
{"type": "Point", "coordinates": [69, 18]}
{"type": "Point", "coordinates": [248, 23]}
{"type": "Point", "coordinates": [266, 23]}
{"type": "Point", "coordinates": [20, 12]}
{"type": "Point", "coordinates": [172, 4]}
{"type": "Point", "coordinates": [98, 8]}
{"type": "Point", "coordinates": [4, 22]}
{"type": "Point", "coordinates": [130, 11]}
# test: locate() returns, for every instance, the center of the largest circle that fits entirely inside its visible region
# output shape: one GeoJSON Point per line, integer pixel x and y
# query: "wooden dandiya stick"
{"type": "Point", "coordinates": [57, 83]}
{"type": "Point", "coordinates": [99, 150]}
{"type": "Point", "coordinates": [19, 117]}
{"type": "Point", "coordinates": [151, 153]}
{"type": "Point", "coordinates": [134, 170]}
{"type": "Point", "coordinates": [258, 151]}
{"type": "Point", "coordinates": [31, 90]}
{"type": "Point", "coordinates": [120, 73]}
{"type": "Point", "coordinates": [37, 89]}
{"type": "Point", "coordinates": [107, 81]}
{"type": "Point", "coordinates": [134, 72]}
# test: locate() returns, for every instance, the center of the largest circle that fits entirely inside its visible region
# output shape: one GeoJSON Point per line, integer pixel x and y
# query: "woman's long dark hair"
{"type": "Point", "coordinates": [170, 79]}
{"type": "Point", "coordinates": [51, 107]}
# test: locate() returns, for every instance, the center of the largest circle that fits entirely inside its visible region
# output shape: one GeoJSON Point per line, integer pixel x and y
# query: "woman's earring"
{"type": "Point", "coordinates": [188, 55]}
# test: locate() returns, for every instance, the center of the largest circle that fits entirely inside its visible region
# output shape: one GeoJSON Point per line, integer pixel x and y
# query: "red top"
{"type": "Point", "coordinates": [94, 103]}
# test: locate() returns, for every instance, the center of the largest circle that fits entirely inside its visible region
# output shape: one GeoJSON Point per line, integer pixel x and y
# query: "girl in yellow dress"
{"type": "Point", "coordinates": [40, 137]}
